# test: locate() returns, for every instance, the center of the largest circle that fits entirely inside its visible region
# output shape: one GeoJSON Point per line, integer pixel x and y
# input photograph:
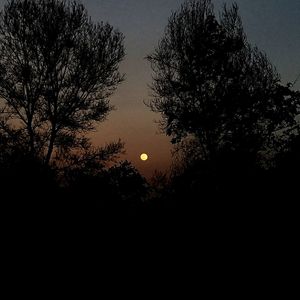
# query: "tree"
{"type": "Point", "coordinates": [119, 187]}
{"type": "Point", "coordinates": [213, 88]}
{"type": "Point", "coordinates": [57, 70]}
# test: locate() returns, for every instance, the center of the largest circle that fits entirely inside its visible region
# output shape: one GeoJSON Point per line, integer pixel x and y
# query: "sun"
{"type": "Point", "coordinates": [144, 156]}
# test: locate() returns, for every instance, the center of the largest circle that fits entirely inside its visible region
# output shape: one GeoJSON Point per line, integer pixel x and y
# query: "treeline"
{"type": "Point", "coordinates": [233, 124]}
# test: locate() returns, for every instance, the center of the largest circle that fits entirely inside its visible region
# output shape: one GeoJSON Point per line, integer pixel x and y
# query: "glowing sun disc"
{"type": "Point", "coordinates": [144, 156]}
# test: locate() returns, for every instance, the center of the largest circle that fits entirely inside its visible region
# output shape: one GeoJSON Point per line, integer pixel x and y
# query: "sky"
{"type": "Point", "coordinates": [272, 25]}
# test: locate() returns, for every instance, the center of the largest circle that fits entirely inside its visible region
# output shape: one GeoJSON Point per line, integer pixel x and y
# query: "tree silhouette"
{"type": "Point", "coordinates": [113, 189]}
{"type": "Point", "coordinates": [215, 91]}
{"type": "Point", "coordinates": [57, 70]}
{"type": "Point", "coordinates": [23, 177]}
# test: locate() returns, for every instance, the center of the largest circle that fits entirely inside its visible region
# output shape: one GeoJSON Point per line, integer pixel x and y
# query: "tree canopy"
{"type": "Point", "coordinates": [57, 70]}
{"type": "Point", "coordinates": [212, 86]}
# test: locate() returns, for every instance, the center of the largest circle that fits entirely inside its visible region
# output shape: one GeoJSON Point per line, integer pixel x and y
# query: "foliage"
{"type": "Point", "coordinates": [57, 70]}
{"type": "Point", "coordinates": [211, 85]}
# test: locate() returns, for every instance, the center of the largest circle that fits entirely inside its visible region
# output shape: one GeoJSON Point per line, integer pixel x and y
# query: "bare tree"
{"type": "Point", "coordinates": [57, 70]}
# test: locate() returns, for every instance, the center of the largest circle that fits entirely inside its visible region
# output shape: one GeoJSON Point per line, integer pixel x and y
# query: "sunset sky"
{"type": "Point", "coordinates": [273, 25]}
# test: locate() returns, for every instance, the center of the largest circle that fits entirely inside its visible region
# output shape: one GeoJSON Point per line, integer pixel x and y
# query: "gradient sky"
{"type": "Point", "coordinates": [272, 25]}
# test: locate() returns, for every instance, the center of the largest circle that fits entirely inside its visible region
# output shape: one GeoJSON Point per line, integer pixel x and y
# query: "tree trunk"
{"type": "Point", "coordinates": [51, 146]}
{"type": "Point", "coordinates": [31, 137]}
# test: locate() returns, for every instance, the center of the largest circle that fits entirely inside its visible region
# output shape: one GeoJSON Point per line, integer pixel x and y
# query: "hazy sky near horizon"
{"type": "Point", "coordinates": [272, 25]}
